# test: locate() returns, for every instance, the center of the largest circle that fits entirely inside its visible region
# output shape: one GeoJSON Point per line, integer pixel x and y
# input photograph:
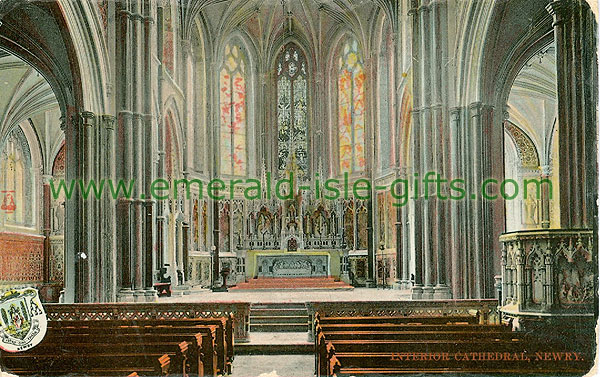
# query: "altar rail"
{"type": "Point", "coordinates": [486, 310]}
{"type": "Point", "coordinates": [145, 311]}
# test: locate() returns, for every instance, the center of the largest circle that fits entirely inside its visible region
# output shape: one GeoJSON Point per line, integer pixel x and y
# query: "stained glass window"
{"type": "Point", "coordinates": [291, 110]}
{"type": "Point", "coordinates": [233, 111]}
{"type": "Point", "coordinates": [16, 188]}
{"type": "Point", "coordinates": [351, 108]}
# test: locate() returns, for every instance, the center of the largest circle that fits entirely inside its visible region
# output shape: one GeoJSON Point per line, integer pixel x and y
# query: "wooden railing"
{"type": "Point", "coordinates": [485, 309]}
{"type": "Point", "coordinates": [147, 311]}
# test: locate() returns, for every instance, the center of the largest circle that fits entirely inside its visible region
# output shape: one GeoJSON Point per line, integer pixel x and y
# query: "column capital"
{"type": "Point", "coordinates": [546, 170]}
{"type": "Point", "coordinates": [46, 178]}
{"type": "Point", "coordinates": [186, 46]}
{"type": "Point", "coordinates": [505, 113]}
{"type": "Point", "coordinates": [108, 121]}
{"type": "Point", "coordinates": [63, 122]}
{"type": "Point", "coordinates": [87, 117]}
{"type": "Point", "coordinates": [478, 107]}
{"type": "Point", "coordinates": [560, 10]}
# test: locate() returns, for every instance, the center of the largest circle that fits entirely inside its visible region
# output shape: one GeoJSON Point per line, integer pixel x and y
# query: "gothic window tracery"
{"type": "Point", "coordinates": [351, 108]}
{"type": "Point", "coordinates": [232, 108]}
{"type": "Point", "coordinates": [292, 123]}
{"type": "Point", "coordinates": [16, 179]}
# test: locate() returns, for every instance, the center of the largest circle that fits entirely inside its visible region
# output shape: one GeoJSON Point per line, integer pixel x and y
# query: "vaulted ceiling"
{"type": "Point", "coordinates": [27, 97]}
{"type": "Point", "coordinates": [312, 22]}
{"type": "Point", "coordinates": [532, 103]}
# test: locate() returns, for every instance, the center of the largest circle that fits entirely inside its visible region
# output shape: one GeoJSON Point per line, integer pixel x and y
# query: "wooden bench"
{"type": "Point", "coordinates": [147, 347]}
{"type": "Point", "coordinates": [195, 354]}
{"type": "Point", "coordinates": [405, 345]}
{"type": "Point", "coordinates": [223, 340]}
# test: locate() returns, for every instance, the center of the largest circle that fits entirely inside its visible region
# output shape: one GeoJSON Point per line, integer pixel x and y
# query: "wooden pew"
{"type": "Point", "coordinates": [398, 345]}
{"type": "Point", "coordinates": [223, 341]}
{"type": "Point", "coordinates": [192, 347]}
{"type": "Point", "coordinates": [194, 355]}
{"type": "Point", "coordinates": [205, 340]}
{"type": "Point", "coordinates": [96, 364]}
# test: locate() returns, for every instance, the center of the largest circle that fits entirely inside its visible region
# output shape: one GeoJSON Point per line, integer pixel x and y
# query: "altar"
{"type": "Point", "coordinates": [301, 263]}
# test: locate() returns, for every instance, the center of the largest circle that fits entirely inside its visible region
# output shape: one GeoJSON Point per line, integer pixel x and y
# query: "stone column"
{"type": "Point", "coordinates": [546, 173]}
{"type": "Point", "coordinates": [185, 251]}
{"type": "Point", "coordinates": [576, 73]}
{"type": "Point", "coordinates": [137, 221]}
{"type": "Point", "coordinates": [216, 268]}
{"type": "Point", "coordinates": [46, 226]}
{"type": "Point", "coordinates": [161, 233]}
{"type": "Point", "coordinates": [440, 143]}
{"type": "Point", "coordinates": [371, 275]}
{"type": "Point", "coordinates": [427, 153]}
{"type": "Point", "coordinates": [457, 232]}
{"type": "Point", "coordinates": [406, 247]}
{"type": "Point", "coordinates": [400, 277]}
{"type": "Point", "coordinates": [149, 130]}
{"type": "Point", "coordinates": [88, 254]}
{"type": "Point", "coordinates": [430, 145]}
{"type": "Point", "coordinates": [107, 156]}
{"type": "Point", "coordinates": [125, 126]}
{"type": "Point", "coordinates": [520, 260]}
{"type": "Point", "coordinates": [481, 226]}
{"type": "Point", "coordinates": [417, 289]}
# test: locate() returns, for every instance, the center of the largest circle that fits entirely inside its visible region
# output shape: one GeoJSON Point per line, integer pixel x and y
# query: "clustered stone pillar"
{"type": "Point", "coordinates": [429, 146]}
{"type": "Point", "coordinates": [136, 129]}
{"type": "Point", "coordinates": [576, 75]}
{"type": "Point", "coordinates": [90, 259]}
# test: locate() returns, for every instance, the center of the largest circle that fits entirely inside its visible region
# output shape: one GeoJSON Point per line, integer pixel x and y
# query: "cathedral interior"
{"type": "Point", "coordinates": [352, 92]}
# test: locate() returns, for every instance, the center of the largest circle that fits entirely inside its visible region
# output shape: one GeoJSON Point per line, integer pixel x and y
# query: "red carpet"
{"type": "Point", "coordinates": [293, 283]}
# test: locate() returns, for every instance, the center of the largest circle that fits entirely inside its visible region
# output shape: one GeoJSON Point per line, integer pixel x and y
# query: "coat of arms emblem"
{"type": "Point", "coordinates": [23, 321]}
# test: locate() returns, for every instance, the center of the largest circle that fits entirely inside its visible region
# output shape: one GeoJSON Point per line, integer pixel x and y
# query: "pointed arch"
{"type": "Point", "coordinates": [173, 154]}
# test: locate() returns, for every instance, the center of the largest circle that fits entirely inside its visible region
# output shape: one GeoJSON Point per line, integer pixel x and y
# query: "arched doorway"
{"type": "Point", "coordinates": [30, 136]}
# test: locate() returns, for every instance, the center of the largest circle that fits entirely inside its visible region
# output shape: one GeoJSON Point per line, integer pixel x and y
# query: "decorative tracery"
{"type": "Point", "coordinates": [351, 108]}
{"type": "Point", "coordinates": [233, 111]}
{"type": "Point", "coordinates": [292, 110]}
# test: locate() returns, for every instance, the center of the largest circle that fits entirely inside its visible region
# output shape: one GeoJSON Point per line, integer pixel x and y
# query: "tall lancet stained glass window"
{"type": "Point", "coordinates": [232, 103]}
{"type": "Point", "coordinates": [351, 108]}
{"type": "Point", "coordinates": [292, 110]}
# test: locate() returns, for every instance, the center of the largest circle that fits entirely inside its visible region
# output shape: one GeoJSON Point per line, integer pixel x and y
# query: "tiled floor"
{"type": "Point", "coordinates": [273, 366]}
{"type": "Point", "coordinates": [283, 296]}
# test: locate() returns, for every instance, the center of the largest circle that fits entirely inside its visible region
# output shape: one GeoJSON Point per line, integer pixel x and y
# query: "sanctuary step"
{"type": "Point", "coordinates": [309, 283]}
{"type": "Point", "coordinates": [280, 343]}
{"type": "Point", "coordinates": [280, 317]}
